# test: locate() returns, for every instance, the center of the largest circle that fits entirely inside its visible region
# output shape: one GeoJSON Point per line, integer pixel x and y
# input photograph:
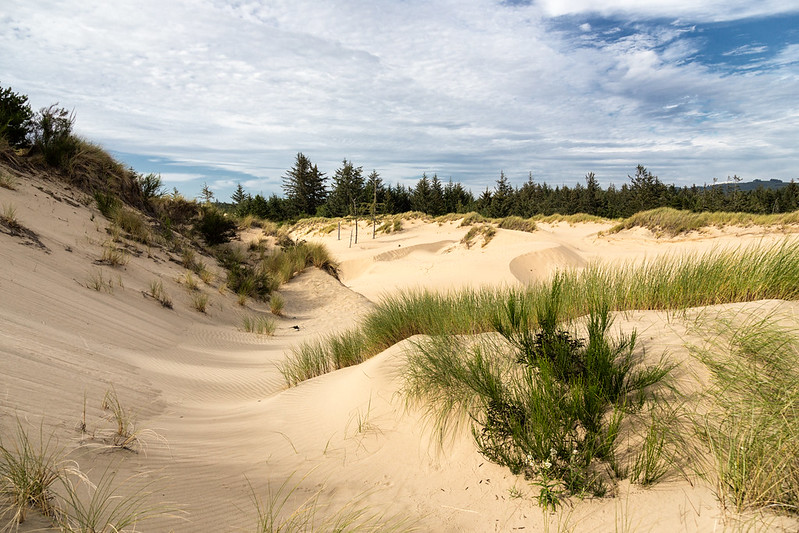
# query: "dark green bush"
{"type": "Point", "coordinates": [214, 227]}
{"type": "Point", "coordinates": [15, 118]}
{"type": "Point", "coordinates": [52, 136]}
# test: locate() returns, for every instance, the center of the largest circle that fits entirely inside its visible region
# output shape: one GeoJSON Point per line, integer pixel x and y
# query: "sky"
{"type": "Point", "coordinates": [227, 92]}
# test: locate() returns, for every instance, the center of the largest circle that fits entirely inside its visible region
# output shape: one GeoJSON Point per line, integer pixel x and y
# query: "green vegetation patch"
{"type": "Point", "coordinates": [671, 222]}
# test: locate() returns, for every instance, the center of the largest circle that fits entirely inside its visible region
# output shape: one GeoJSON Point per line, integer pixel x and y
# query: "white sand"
{"type": "Point", "coordinates": [219, 417]}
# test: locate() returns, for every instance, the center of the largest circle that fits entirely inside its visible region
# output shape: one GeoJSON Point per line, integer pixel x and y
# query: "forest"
{"type": "Point", "coordinates": [348, 192]}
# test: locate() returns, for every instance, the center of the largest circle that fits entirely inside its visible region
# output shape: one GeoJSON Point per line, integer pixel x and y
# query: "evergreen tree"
{"type": "Point", "coordinates": [347, 190]}
{"type": "Point", "coordinates": [503, 198]}
{"type": "Point", "coordinates": [206, 193]}
{"type": "Point", "coordinates": [421, 198]}
{"type": "Point", "coordinates": [456, 198]}
{"type": "Point", "coordinates": [304, 186]}
{"type": "Point", "coordinates": [436, 206]}
{"type": "Point", "coordinates": [239, 195]}
{"type": "Point", "coordinates": [398, 199]}
{"type": "Point", "coordinates": [374, 193]}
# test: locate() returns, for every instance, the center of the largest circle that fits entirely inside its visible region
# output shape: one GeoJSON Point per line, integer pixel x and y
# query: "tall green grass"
{"type": "Point", "coordinates": [670, 283]}
{"type": "Point", "coordinates": [751, 429]}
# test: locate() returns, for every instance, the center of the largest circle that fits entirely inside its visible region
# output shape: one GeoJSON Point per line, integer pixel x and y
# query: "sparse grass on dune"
{"type": "Point", "coordinates": [668, 283]}
{"type": "Point", "coordinates": [671, 222]}
{"type": "Point", "coordinates": [484, 231]}
{"type": "Point", "coordinates": [286, 510]}
{"type": "Point", "coordinates": [258, 324]}
{"type": "Point", "coordinates": [105, 506]}
{"type": "Point", "coordinates": [8, 182]}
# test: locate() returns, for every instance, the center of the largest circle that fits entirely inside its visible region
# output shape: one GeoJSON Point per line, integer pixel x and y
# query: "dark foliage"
{"type": "Point", "coordinates": [215, 227]}
{"type": "Point", "coordinates": [15, 118]}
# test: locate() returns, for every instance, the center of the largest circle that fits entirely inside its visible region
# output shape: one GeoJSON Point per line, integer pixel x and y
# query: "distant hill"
{"type": "Point", "coordinates": [753, 185]}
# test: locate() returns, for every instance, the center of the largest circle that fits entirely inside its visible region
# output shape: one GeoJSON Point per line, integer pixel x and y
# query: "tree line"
{"type": "Point", "coordinates": [349, 192]}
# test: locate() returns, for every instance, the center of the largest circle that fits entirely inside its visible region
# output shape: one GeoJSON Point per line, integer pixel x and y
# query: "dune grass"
{"type": "Point", "coordinates": [751, 428]}
{"type": "Point", "coordinates": [286, 510]}
{"type": "Point", "coordinates": [8, 182]}
{"type": "Point", "coordinates": [105, 506]}
{"type": "Point", "coordinates": [259, 324]}
{"type": "Point", "coordinates": [199, 301]}
{"type": "Point", "coordinates": [672, 222]}
{"type": "Point", "coordinates": [159, 294]}
{"type": "Point", "coordinates": [276, 303]}
{"type": "Point", "coordinates": [484, 231]}
{"type": "Point", "coordinates": [29, 468]}
{"type": "Point", "coordinates": [517, 224]}
{"type": "Point", "coordinates": [670, 283]}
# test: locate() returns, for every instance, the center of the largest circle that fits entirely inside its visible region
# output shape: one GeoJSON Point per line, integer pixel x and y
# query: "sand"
{"type": "Point", "coordinates": [218, 424]}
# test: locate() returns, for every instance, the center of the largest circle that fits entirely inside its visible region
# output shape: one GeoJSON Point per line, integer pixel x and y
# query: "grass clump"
{"type": "Point", "coordinates": [517, 224]}
{"type": "Point", "coordinates": [158, 293]}
{"type": "Point", "coordinates": [323, 355]}
{"type": "Point", "coordinates": [113, 256]}
{"type": "Point", "coordinates": [484, 231]}
{"type": "Point", "coordinates": [752, 427]}
{"type": "Point", "coordinates": [98, 282]}
{"type": "Point", "coordinates": [125, 434]}
{"type": "Point", "coordinates": [289, 261]}
{"type": "Point", "coordinates": [7, 182]}
{"type": "Point", "coordinates": [199, 302]}
{"type": "Point", "coordinates": [259, 324]}
{"type": "Point", "coordinates": [473, 218]}
{"type": "Point", "coordinates": [276, 303]}
{"type": "Point", "coordinates": [101, 507]}
{"type": "Point", "coordinates": [9, 217]}
{"type": "Point", "coordinates": [28, 472]}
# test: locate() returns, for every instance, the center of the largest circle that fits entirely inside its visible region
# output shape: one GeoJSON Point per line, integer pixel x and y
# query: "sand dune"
{"type": "Point", "coordinates": [221, 422]}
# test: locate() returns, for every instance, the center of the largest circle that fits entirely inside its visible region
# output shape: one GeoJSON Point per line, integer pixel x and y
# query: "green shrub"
{"type": "Point", "coordinates": [52, 136]}
{"type": "Point", "coordinates": [107, 203]}
{"type": "Point", "coordinates": [215, 227]}
{"type": "Point", "coordinates": [547, 405]}
{"type": "Point", "coordinates": [15, 118]}
{"type": "Point", "coordinates": [150, 185]}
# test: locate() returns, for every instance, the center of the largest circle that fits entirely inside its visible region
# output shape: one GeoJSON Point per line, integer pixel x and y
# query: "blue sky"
{"type": "Point", "coordinates": [228, 92]}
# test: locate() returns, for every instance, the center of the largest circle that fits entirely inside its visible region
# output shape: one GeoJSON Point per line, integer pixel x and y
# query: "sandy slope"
{"type": "Point", "coordinates": [219, 421]}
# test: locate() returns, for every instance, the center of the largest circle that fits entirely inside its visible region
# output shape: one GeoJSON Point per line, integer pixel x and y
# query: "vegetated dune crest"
{"type": "Point", "coordinates": [216, 423]}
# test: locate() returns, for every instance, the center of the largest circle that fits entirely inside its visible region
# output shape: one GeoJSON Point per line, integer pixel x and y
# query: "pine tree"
{"type": "Point", "coordinates": [421, 196]}
{"type": "Point", "coordinates": [239, 195]}
{"type": "Point", "coordinates": [503, 198]}
{"type": "Point", "coordinates": [347, 190]}
{"type": "Point", "coordinates": [206, 193]}
{"type": "Point", "coordinates": [304, 186]}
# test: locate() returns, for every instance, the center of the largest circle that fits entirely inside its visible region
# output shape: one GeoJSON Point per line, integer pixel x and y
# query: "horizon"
{"type": "Point", "coordinates": [225, 94]}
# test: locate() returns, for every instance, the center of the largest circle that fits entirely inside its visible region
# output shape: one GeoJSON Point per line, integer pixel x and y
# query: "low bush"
{"type": "Point", "coordinates": [546, 404]}
{"type": "Point", "coordinates": [214, 226]}
{"type": "Point", "coordinates": [16, 118]}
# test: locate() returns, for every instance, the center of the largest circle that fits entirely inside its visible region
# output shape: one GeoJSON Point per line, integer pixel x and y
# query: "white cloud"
{"type": "Point", "coordinates": [460, 88]}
